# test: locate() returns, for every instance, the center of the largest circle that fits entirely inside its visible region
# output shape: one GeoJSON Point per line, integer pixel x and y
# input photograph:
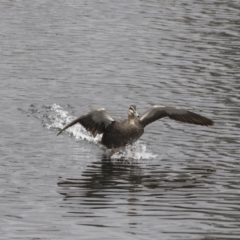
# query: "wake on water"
{"type": "Point", "coordinates": [55, 117]}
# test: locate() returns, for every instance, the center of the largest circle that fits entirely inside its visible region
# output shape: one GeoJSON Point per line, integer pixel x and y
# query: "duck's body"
{"type": "Point", "coordinates": [117, 133]}
{"type": "Point", "coordinates": [121, 133]}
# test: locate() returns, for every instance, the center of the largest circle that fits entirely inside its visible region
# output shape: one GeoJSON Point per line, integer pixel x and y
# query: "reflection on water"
{"type": "Point", "coordinates": [106, 182]}
{"type": "Point", "coordinates": [120, 175]}
{"type": "Point", "coordinates": [128, 175]}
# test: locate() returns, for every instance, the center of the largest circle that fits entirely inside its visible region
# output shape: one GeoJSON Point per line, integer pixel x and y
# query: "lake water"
{"type": "Point", "coordinates": [59, 59]}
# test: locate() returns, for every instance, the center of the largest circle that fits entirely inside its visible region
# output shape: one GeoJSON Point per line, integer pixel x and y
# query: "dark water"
{"type": "Point", "coordinates": [58, 59]}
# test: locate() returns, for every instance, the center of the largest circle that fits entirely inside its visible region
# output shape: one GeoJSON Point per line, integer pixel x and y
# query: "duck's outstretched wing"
{"type": "Point", "coordinates": [157, 111]}
{"type": "Point", "coordinates": [95, 121]}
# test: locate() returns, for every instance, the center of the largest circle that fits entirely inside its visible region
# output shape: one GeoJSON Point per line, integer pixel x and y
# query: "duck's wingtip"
{"type": "Point", "coordinates": [210, 123]}
{"type": "Point", "coordinates": [59, 132]}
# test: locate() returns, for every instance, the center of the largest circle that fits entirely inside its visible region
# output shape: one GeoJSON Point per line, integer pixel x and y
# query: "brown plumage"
{"type": "Point", "coordinates": [117, 133]}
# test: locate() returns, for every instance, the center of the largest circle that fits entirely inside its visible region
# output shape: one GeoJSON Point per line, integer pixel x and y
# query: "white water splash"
{"type": "Point", "coordinates": [62, 118]}
{"type": "Point", "coordinates": [137, 151]}
{"type": "Point", "coordinates": [58, 118]}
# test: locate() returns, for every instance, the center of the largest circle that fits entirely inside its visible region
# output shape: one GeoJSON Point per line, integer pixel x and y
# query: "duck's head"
{"type": "Point", "coordinates": [132, 112]}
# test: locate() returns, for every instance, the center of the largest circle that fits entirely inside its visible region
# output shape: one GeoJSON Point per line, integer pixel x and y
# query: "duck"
{"type": "Point", "coordinates": [118, 133]}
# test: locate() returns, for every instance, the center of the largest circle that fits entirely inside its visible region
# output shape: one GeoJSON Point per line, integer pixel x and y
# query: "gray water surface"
{"type": "Point", "coordinates": [59, 59]}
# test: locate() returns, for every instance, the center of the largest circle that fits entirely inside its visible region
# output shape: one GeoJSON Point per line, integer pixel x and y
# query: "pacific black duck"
{"type": "Point", "coordinates": [119, 133]}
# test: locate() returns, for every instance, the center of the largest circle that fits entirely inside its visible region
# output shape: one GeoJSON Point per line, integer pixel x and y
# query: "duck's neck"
{"type": "Point", "coordinates": [131, 120]}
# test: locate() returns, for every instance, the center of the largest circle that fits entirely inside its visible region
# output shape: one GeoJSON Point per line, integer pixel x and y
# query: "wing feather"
{"type": "Point", "coordinates": [95, 121]}
{"type": "Point", "coordinates": [179, 114]}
